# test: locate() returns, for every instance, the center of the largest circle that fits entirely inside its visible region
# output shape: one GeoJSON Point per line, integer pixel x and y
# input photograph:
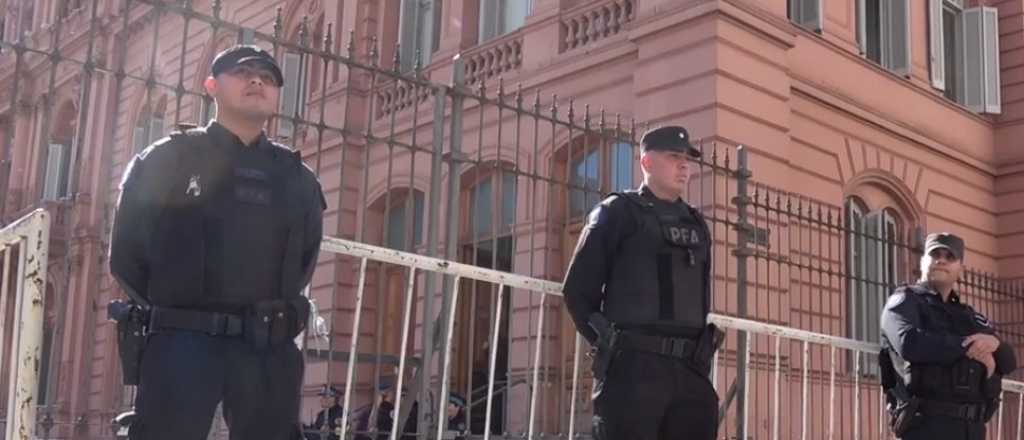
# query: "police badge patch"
{"type": "Point", "coordinates": [982, 320]}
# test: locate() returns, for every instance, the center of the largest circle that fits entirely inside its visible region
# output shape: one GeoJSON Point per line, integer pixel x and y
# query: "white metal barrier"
{"type": "Point", "coordinates": [783, 421]}
{"type": "Point", "coordinates": [24, 247]}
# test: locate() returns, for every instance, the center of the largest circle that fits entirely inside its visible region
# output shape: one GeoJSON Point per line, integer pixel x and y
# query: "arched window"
{"type": "Point", "coordinates": [876, 261]}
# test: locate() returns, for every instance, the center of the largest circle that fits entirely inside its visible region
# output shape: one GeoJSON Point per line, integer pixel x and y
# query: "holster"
{"type": "Point", "coordinates": [131, 337]}
{"type": "Point", "coordinates": [604, 350]}
{"type": "Point", "coordinates": [903, 415]}
{"type": "Point", "coordinates": [710, 340]}
{"type": "Point", "coordinates": [268, 323]}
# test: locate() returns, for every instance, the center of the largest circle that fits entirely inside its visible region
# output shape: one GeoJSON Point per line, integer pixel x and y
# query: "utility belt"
{"type": "Point", "coordinates": [905, 414]}
{"type": "Point", "coordinates": [698, 351]}
{"type": "Point", "coordinates": [262, 325]}
{"type": "Point", "coordinates": [971, 412]}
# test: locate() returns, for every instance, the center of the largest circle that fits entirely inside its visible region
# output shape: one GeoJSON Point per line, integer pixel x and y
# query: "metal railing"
{"type": "Point", "coordinates": [24, 246]}
{"type": "Point", "coordinates": [803, 374]}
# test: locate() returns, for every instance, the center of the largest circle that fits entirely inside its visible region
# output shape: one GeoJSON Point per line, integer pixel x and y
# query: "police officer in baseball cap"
{"type": "Point", "coordinates": [941, 362]}
{"type": "Point", "coordinates": [328, 419]}
{"type": "Point", "coordinates": [216, 234]}
{"type": "Point", "coordinates": [638, 290]}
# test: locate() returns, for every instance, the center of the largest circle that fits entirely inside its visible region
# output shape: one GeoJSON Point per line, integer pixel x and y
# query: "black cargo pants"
{"type": "Point", "coordinates": [649, 396]}
{"type": "Point", "coordinates": [186, 374]}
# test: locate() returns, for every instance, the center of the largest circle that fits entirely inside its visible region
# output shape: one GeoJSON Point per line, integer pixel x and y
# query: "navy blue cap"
{"type": "Point", "coordinates": [947, 241]}
{"type": "Point", "coordinates": [457, 399]}
{"type": "Point", "coordinates": [670, 138]}
{"type": "Point", "coordinates": [329, 391]}
{"type": "Point", "coordinates": [246, 53]}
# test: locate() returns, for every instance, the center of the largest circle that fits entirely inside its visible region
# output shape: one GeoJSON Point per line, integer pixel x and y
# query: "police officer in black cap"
{"type": "Point", "coordinates": [638, 290]}
{"type": "Point", "coordinates": [216, 234]}
{"type": "Point", "coordinates": [941, 361]}
{"type": "Point", "coordinates": [329, 417]}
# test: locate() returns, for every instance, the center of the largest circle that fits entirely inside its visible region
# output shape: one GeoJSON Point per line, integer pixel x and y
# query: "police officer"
{"type": "Point", "coordinates": [941, 361]}
{"type": "Point", "coordinates": [456, 412]}
{"type": "Point", "coordinates": [329, 417]}
{"type": "Point", "coordinates": [216, 233]}
{"type": "Point", "coordinates": [382, 413]}
{"type": "Point", "coordinates": [638, 290]}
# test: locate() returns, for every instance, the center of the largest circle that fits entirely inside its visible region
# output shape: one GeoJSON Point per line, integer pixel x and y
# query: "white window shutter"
{"type": "Point", "coordinates": [425, 31]}
{"type": "Point", "coordinates": [990, 44]}
{"type": "Point", "coordinates": [408, 24]}
{"type": "Point", "coordinates": [513, 14]}
{"type": "Point", "coordinates": [806, 13]}
{"type": "Point", "coordinates": [290, 90]}
{"type": "Point", "coordinates": [488, 19]}
{"type": "Point", "coordinates": [875, 250]}
{"type": "Point", "coordinates": [936, 45]}
{"type": "Point", "coordinates": [896, 36]}
{"type": "Point", "coordinates": [139, 140]}
{"type": "Point", "coordinates": [156, 128]}
{"type": "Point", "coordinates": [862, 29]}
{"type": "Point", "coordinates": [981, 60]}
{"type": "Point", "coordinates": [54, 160]}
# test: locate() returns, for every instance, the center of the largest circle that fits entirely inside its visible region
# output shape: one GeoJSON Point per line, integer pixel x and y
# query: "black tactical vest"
{"type": "Point", "coordinates": [962, 381]}
{"type": "Point", "coordinates": [202, 187]}
{"type": "Point", "coordinates": [660, 273]}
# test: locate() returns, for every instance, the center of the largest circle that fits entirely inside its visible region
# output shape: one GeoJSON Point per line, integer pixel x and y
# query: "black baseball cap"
{"type": "Point", "coordinates": [945, 240]}
{"type": "Point", "coordinates": [246, 53]}
{"type": "Point", "coordinates": [329, 391]}
{"type": "Point", "coordinates": [670, 138]}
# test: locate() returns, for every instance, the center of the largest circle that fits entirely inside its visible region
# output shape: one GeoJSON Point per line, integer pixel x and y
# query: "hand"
{"type": "Point", "coordinates": [988, 361]}
{"type": "Point", "coordinates": [979, 344]}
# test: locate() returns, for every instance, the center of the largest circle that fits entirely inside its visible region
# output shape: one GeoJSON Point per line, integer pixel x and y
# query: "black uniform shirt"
{"type": "Point", "coordinates": [922, 334]}
{"type": "Point", "coordinates": [244, 224]}
{"type": "Point", "coordinates": [607, 225]}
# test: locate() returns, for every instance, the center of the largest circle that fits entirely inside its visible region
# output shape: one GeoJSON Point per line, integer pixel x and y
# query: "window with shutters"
{"type": "Point", "coordinates": [149, 127]}
{"type": "Point", "coordinates": [293, 94]}
{"type": "Point", "coordinates": [398, 227]}
{"type": "Point", "coordinates": [874, 267]}
{"type": "Point", "coordinates": [499, 17]}
{"type": "Point", "coordinates": [493, 203]}
{"type": "Point", "coordinates": [420, 31]}
{"type": "Point", "coordinates": [58, 160]}
{"type": "Point", "coordinates": [883, 31]}
{"type": "Point", "coordinates": [806, 13]}
{"type": "Point", "coordinates": [598, 171]}
{"type": "Point", "coordinates": [964, 58]}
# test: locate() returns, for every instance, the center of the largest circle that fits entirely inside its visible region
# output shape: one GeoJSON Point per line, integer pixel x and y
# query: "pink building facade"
{"type": "Point", "coordinates": [865, 124]}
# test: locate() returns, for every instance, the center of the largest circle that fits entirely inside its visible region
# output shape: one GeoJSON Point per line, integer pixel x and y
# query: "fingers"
{"type": "Point", "coordinates": [969, 340]}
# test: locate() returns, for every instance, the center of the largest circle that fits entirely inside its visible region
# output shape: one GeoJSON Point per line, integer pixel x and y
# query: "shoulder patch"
{"type": "Point", "coordinates": [982, 320]}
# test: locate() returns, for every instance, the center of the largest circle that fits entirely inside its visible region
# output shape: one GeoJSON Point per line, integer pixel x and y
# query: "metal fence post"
{"type": "Point", "coordinates": [432, 334]}
{"type": "Point", "coordinates": [742, 252]}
